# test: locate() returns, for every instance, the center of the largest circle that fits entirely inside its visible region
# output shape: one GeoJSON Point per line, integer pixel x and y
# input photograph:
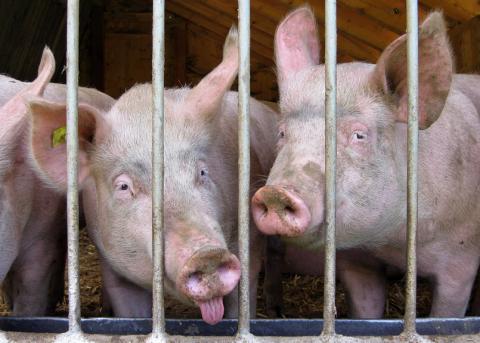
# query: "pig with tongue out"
{"type": "Point", "coordinates": [201, 188]}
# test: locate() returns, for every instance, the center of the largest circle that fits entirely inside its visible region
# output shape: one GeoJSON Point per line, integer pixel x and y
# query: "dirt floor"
{"type": "Point", "coordinates": [302, 294]}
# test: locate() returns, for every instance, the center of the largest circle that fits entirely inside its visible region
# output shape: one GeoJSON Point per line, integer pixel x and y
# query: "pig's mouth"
{"type": "Point", "coordinates": [207, 276]}
{"type": "Point", "coordinates": [212, 310]}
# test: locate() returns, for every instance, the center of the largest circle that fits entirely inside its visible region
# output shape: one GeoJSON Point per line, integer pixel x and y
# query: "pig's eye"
{"type": "Point", "coordinates": [123, 187]}
{"type": "Point", "coordinates": [281, 134]}
{"type": "Point", "coordinates": [202, 173]}
{"type": "Point", "coordinates": [359, 136]}
{"type": "Point", "coordinates": [203, 177]}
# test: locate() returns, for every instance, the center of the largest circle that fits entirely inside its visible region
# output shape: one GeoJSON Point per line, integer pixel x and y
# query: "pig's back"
{"type": "Point", "coordinates": [9, 87]}
{"type": "Point", "coordinates": [469, 85]}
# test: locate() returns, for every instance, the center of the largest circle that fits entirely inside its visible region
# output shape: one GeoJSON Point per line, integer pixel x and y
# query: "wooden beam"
{"type": "Point", "coordinates": [349, 21]}
{"type": "Point", "coordinates": [268, 16]}
{"type": "Point", "coordinates": [465, 40]}
{"type": "Point", "coordinates": [258, 20]}
{"type": "Point", "coordinates": [218, 24]}
{"type": "Point", "coordinates": [224, 19]}
{"type": "Point", "coordinates": [390, 13]}
{"type": "Point", "coordinates": [461, 10]}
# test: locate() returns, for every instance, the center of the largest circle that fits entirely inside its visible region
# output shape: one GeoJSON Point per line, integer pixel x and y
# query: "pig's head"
{"type": "Point", "coordinates": [371, 134]}
{"type": "Point", "coordinates": [115, 172]}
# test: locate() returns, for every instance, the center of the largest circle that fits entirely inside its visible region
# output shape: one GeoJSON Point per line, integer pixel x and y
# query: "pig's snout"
{"type": "Point", "coordinates": [207, 277]}
{"type": "Point", "coordinates": [278, 211]}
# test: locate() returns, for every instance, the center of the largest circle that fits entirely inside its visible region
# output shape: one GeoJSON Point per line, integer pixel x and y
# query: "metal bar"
{"type": "Point", "coordinates": [329, 311]}
{"type": "Point", "coordinates": [158, 73]}
{"type": "Point", "coordinates": [412, 134]}
{"type": "Point", "coordinates": [73, 10]}
{"type": "Point", "coordinates": [244, 164]}
{"type": "Point", "coordinates": [294, 330]}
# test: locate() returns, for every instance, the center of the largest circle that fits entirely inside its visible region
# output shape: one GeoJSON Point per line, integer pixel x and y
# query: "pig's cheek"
{"type": "Point", "coordinates": [173, 251]}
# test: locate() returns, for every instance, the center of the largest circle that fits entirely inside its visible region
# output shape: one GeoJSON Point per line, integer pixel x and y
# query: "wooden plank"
{"type": "Point", "coordinates": [269, 14]}
{"type": "Point", "coordinates": [258, 20]}
{"type": "Point", "coordinates": [390, 13]}
{"type": "Point", "coordinates": [218, 18]}
{"type": "Point", "coordinates": [347, 45]}
{"type": "Point", "coordinates": [465, 40]}
{"type": "Point", "coordinates": [349, 21]}
{"type": "Point", "coordinates": [461, 10]}
{"type": "Point", "coordinates": [128, 60]}
{"type": "Point", "coordinates": [220, 29]}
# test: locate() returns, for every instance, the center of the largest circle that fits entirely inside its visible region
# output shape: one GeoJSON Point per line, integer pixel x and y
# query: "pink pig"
{"type": "Point", "coordinates": [372, 159]}
{"type": "Point", "coordinates": [32, 215]}
{"type": "Point", "coordinates": [201, 190]}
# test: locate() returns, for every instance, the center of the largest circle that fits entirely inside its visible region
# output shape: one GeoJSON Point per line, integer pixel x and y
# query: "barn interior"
{"type": "Point", "coordinates": [115, 54]}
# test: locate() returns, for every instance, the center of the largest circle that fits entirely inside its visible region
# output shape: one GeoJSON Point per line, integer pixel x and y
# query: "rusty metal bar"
{"type": "Point", "coordinates": [329, 311]}
{"type": "Point", "coordinates": [244, 165]}
{"type": "Point", "coordinates": [73, 10]}
{"type": "Point", "coordinates": [158, 73]}
{"type": "Point", "coordinates": [412, 193]}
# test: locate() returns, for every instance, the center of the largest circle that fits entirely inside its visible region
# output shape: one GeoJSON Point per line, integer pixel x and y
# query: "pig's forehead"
{"type": "Point", "coordinates": [130, 126]}
{"type": "Point", "coordinates": [306, 90]}
{"type": "Point", "coordinates": [135, 105]}
{"type": "Point", "coordinates": [131, 117]}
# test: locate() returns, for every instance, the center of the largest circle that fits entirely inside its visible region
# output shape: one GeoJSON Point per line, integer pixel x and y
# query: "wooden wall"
{"type": "Point", "coordinates": [191, 50]}
{"type": "Point", "coordinates": [465, 40]}
{"type": "Point", "coordinates": [115, 41]}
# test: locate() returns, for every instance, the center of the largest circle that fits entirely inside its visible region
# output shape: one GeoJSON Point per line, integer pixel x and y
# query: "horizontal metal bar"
{"type": "Point", "coordinates": [259, 327]}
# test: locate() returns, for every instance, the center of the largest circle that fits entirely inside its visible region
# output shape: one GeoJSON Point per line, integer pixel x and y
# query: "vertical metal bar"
{"type": "Point", "coordinates": [412, 206]}
{"type": "Point", "coordinates": [244, 164]}
{"type": "Point", "coordinates": [329, 311]}
{"type": "Point", "coordinates": [73, 10]}
{"type": "Point", "coordinates": [158, 72]}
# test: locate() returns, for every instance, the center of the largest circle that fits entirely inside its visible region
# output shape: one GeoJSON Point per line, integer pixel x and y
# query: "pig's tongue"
{"type": "Point", "coordinates": [212, 310]}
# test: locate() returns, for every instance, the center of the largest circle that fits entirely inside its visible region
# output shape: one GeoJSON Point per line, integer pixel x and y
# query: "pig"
{"type": "Point", "coordinates": [32, 215]}
{"type": "Point", "coordinates": [201, 154]}
{"type": "Point", "coordinates": [372, 159]}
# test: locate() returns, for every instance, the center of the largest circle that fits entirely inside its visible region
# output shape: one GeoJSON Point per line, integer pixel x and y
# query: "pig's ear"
{"type": "Point", "coordinates": [435, 71]}
{"type": "Point", "coordinates": [296, 43]}
{"type": "Point", "coordinates": [206, 97]}
{"type": "Point", "coordinates": [13, 114]}
{"type": "Point", "coordinates": [14, 110]}
{"type": "Point", "coordinates": [48, 140]}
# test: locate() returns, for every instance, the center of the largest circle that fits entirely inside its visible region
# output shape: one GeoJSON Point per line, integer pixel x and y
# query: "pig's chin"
{"type": "Point", "coordinates": [212, 310]}
{"type": "Point", "coordinates": [312, 239]}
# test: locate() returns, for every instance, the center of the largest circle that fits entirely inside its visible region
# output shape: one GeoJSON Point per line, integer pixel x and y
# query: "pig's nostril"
{"type": "Point", "coordinates": [263, 208]}
{"type": "Point", "coordinates": [194, 280]}
{"type": "Point", "coordinates": [289, 209]}
{"type": "Point", "coordinates": [196, 276]}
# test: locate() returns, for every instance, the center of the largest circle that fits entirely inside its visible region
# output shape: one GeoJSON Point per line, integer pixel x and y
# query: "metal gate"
{"type": "Point", "coordinates": [159, 329]}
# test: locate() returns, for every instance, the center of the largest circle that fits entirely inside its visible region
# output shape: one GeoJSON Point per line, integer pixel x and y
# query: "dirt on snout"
{"type": "Point", "coordinates": [303, 295]}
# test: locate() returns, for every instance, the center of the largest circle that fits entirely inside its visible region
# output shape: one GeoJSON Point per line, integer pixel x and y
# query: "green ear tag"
{"type": "Point", "coordinates": [59, 136]}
